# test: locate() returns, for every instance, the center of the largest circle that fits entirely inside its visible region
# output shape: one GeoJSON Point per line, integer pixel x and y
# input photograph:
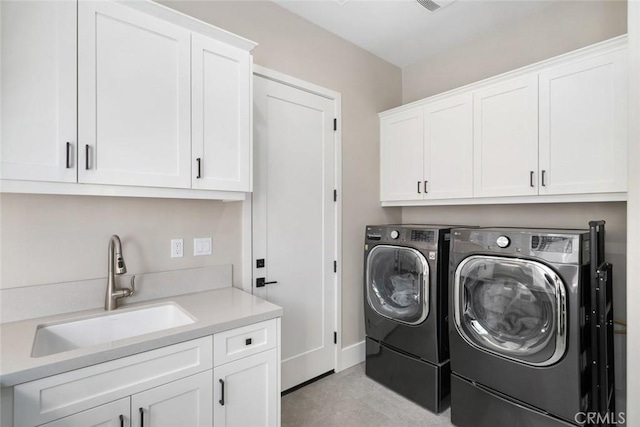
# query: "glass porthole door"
{"type": "Point", "coordinates": [511, 307]}
{"type": "Point", "coordinates": [397, 283]}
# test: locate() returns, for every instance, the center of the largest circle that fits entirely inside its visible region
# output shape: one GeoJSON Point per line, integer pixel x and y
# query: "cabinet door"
{"type": "Point", "coordinates": [38, 90]}
{"type": "Point", "coordinates": [221, 99]}
{"type": "Point", "coordinates": [506, 139]}
{"type": "Point", "coordinates": [134, 98]}
{"type": "Point", "coordinates": [246, 391]}
{"type": "Point", "coordinates": [448, 148]}
{"type": "Point", "coordinates": [114, 414]}
{"type": "Point", "coordinates": [401, 156]}
{"type": "Point", "coordinates": [583, 126]}
{"type": "Point", "coordinates": [186, 402]}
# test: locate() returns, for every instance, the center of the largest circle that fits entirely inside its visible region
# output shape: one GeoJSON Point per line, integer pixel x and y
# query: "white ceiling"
{"type": "Point", "coordinates": [402, 31]}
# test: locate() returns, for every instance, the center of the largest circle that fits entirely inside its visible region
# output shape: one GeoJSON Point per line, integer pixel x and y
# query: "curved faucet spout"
{"type": "Point", "coordinates": [116, 266]}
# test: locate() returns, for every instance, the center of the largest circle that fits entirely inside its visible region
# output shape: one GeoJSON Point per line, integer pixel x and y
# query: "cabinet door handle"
{"type": "Point", "coordinates": [542, 176]}
{"type": "Point", "coordinates": [418, 187]}
{"type": "Point", "coordinates": [221, 401]}
{"type": "Point", "coordinates": [86, 157]}
{"type": "Point", "coordinates": [425, 187]}
{"type": "Point", "coordinates": [531, 183]}
{"type": "Point", "coordinates": [141, 417]}
{"type": "Point", "coordinates": [68, 153]}
{"type": "Point", "coordinates": [199, 161]}
{"type": "Point", "coordinates": [121, 420]}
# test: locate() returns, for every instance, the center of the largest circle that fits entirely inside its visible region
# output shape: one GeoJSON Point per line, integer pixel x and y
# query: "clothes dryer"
{"type": "Point", "coordinates": [405, 307]}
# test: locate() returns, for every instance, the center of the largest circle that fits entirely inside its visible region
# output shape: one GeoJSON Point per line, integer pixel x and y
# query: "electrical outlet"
{"type": "Point", "coordinates": [202, 246]}
{"type": "Point", "coordinates": [177, 248]}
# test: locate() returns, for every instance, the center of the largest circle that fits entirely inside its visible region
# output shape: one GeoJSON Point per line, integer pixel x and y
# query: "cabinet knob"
{"type": "Point", "coordinates": [531, 183]}
{"type": "Point", "coordinates": [542, 178]}
{"type": "Point", "coordinates": [247, 341]}
{"type": "Point", "coordinates": [418, 187]}
{"type": "Point", "coordinates": [199, 162]}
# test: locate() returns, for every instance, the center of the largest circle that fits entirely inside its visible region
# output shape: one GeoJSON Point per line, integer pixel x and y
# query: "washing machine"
{"type": "Point", "coordinates": [518, 334]}
{"type": "Point", "coordinates": [405, 308]}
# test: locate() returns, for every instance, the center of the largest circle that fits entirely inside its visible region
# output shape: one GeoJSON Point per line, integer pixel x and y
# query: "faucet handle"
{"type": "Point", "coordinates": [133, 286]}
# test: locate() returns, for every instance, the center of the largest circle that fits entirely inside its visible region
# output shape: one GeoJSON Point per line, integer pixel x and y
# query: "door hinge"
{"type": "Point", "coordinates": [335, 266]}
{"type": "Point", "coordinates": [335, 124]}
{"type": "Point", "coordinates": [335, 195]}
{"type": "Point", "coordinates": [335, 338]}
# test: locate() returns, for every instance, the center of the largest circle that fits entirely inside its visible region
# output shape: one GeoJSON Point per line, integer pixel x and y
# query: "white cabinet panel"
{"type": "Point", "coordinates": [506, 138]}
{"type": "Point", "coordinates": [448, 151]}
{"type": "Point", "coordinates": [583, 116]}
{"type": "Point", "coordinates": [242, 342]}
{"type": "Point", "coordinates": [401, 156]}
{"type": "Point", "coordinates": [221, 118]}
{"type": "Point", "coordinates": [114, 414]}
{"type": "Point", "coordinates": [250, 391]}
{"type": "Point", "coordinates": [134, 98]}
{"type": "Point", "coordinates": [186, 402]}
{"type": "Point", "coordinates": [57, 396]}
{"type": "Point", "coordinates": [38, 90]}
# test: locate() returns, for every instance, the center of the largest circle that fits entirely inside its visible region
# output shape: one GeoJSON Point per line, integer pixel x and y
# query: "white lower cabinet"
{"type": "Point", "coordinates": [114, 414]}
{"type": "Point", "coordinates": [177, 385]}
{"type": "Point", "coordinates": [246, 391]}
{"type": "Point", "coordinates": [186, 402]}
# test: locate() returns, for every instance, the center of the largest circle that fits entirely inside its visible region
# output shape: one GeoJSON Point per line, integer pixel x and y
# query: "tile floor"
{"type": "Point", "coordinates": [350, 399]}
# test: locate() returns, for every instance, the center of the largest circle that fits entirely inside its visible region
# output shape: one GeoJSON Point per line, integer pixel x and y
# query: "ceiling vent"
{"type": "Point", "coordinates": [433, 6]}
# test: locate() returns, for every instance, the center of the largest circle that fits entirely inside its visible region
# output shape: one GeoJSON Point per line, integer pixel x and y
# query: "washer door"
{"type": "Point", "coordinates": [398, 283]}
{"type": "Point", "coordinates": [511, 307]}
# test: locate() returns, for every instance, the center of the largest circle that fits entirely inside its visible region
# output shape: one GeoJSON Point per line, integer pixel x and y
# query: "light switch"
{"type": "Point", "coordinates": [202, 246]}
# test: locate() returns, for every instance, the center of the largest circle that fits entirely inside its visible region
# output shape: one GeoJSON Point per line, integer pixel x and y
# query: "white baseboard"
{"type": "Point", "coordinates": [351, 356]}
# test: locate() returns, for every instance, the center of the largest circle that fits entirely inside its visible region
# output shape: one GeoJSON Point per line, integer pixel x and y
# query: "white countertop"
{"type": "Point", "coordinates": [214, 311]}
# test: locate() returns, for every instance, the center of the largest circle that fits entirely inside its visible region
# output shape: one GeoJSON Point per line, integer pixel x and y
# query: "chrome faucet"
{"type": "Point", "coordinates": [116, 268]}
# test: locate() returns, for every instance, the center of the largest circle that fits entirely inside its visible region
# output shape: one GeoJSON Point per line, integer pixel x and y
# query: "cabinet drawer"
{"type": "Point", "coordinates": [50, 398]}
{"type": "Point", "coordinates": [242, 342]}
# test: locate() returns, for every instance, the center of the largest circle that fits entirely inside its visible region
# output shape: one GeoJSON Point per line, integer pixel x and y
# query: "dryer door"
{"type": "Point", "coordinates": [514, 308]}
{"type": "Point", "coordinates": [398, 283]}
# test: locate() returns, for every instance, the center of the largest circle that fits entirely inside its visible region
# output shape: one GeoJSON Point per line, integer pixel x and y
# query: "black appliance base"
{"type": "Point", "coordinates": [475, 406]}
{"type": "Point", "coordinates": [424, 383]}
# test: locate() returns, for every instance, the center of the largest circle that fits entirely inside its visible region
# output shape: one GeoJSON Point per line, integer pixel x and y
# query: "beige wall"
{"type": "Point", "coordinates": [559, 28]}
{"type": "Point", "coordinates": [52, 239]}
{"type": "Point", "coordinates": [292, 45]}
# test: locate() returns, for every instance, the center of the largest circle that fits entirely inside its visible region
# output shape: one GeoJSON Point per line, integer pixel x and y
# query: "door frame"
{"type": "Point", "coordinates": [247, 205]}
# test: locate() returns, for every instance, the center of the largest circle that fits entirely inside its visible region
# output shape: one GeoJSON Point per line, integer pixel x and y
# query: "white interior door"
{"type": "Point", "coordinates": [294, 222]}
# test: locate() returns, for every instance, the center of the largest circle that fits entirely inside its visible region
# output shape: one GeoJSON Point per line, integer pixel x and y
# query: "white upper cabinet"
{"type": "Point", "coordinates": [221, 102]}
{"type": "Point", "coordinates": [505, 119]}
{"type": "Point", "coordinates": [448, 148]}
{"type": "Point", "coordinates": [555, 131]}
{"type": "Point", "coordinates": [38, 90]}
{"type": "Point", "coordinates": [401, 156]}
{"type": "Point", "coordinates": [583, 123]}
{"type": "Point", "coordinates": [134, 98]}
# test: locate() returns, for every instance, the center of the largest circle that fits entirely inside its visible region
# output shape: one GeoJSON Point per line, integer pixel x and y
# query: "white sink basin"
{"type": "Point", "coordinates": [123, 323]}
